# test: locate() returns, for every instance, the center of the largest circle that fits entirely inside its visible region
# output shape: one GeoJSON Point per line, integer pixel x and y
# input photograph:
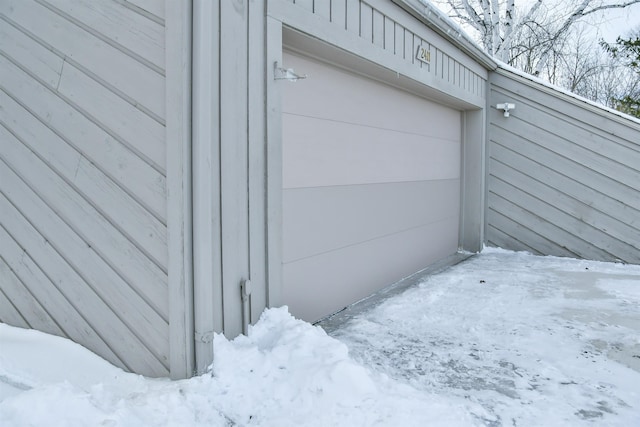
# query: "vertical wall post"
{"type": "Point", "coordinates": [257, 152]}
{"type": "Point", "coordinates": [234, 160]}
{"type": "Point", "coordinates": [178, 141]}
{"type": "Point", "coordinates": [274, 164]}
{"type": "Point", "coordinates": [473, 178]}
{"type": "Point", "coordinates": [206, 180]}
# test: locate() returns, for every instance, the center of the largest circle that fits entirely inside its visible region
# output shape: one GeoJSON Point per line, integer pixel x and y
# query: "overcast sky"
{"type": "Point", "coordinates": [608, 24]}
{"type": "Point", "coordinates": [618, 22]}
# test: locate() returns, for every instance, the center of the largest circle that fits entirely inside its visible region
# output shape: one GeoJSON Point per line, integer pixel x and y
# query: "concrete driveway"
{"type": "Point", "coordinates": [518, 340]}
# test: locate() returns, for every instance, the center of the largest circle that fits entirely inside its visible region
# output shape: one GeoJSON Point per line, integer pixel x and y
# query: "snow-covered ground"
{"type": "Point", "coordinates": [520, 340]}
{"type": "Point", "coordinates": [502, 339]}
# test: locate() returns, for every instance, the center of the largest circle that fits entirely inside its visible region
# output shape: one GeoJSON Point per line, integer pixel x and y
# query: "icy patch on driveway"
{"type": "Point", "coordinates": [533, 340]}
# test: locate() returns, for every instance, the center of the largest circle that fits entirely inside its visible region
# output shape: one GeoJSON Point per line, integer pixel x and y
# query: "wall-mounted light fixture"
{"type": "Point", "coordinates": [280, 73]}
{"type": "Point", "coordinates": [506, 107]}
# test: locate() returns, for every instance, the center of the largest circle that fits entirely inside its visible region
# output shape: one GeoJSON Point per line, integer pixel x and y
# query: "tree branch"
{"type": "Point", "coordinates": [610, 6]}
{"type": "Point", "coordinates": [532, 10]}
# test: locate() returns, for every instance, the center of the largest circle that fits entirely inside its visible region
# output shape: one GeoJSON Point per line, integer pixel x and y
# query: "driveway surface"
{"type": "Point", "coordinates": [519, 340]}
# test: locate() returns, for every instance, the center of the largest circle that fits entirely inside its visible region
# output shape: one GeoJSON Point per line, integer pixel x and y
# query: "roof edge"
{"type": "Point", "coordinates": [435, 19]}
{"type": "Point", "coordinates": [554, 90]}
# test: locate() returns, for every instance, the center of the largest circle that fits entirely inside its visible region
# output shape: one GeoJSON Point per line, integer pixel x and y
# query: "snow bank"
{"type": "Point", "coordinates": [285, 373]}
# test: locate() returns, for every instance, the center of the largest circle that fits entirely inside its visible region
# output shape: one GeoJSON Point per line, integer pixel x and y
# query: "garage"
{"type": "Point", "coordinates": [371, 185]}
{"type": "Point", "coordinates": [204, 203]}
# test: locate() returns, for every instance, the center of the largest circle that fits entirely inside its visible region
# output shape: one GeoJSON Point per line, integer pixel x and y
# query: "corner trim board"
{"type": "Point", "coordinates": [178, 28]}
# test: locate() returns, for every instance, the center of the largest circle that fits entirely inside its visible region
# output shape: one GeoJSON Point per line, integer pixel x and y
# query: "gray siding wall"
{"type": "Point", "coordinates": [83, 206]}
{"type": "Point", "coordinates": [563, 175]}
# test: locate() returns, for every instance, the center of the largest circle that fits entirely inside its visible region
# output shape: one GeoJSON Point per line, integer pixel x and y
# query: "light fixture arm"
{"type": "Point", "coordinates": [506, 107]}
{"type": "Point", "coordinates": [280, 73]}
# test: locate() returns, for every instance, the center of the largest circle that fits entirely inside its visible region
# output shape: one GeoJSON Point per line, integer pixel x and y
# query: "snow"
{"type": "Point", "coordinates": [501, 339]}
{"type": "Point", "coordinates": [532, 340]}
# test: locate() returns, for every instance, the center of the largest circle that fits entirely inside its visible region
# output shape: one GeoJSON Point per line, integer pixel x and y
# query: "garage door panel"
{"type": "Point", "coordinates": [335, 94]}
{"type": "Point", "coordinates": [322, 219]}
{"type": "Point", "coordinates": [324, 284]}
{"type": "Point", "coordinates": [321, 152]}
{"type": "Point", "coordinates": [371, 186]}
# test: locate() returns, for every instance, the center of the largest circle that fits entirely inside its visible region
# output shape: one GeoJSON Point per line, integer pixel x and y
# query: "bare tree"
{"type": "Point", "coordinates": [550, 39]}
{"type": "Point", "coordinates": [527, 45]}
{"type": "Point", "coordinates": [531, 33]}
{"type": "Point", "coordinates": [586, 67]}
{"type": "Point", "coordinates": [581, 60]}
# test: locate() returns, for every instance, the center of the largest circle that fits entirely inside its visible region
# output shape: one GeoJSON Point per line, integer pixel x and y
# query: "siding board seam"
{"type": "Point", "coordinates": [116, 91]}
{"type": "Point", "coordinates": [80, 67]}
{"type": "Point", "coordinates": [69, 223]}
{"type": "Point", "coordinates": [369, 183]}
{"type": "Point", "coordinates": [82, 112]}
{"type": "Point", "coordinates": [628, 186]}
{"type": "Point", "coordinates": [95, 162]}
{"type": "Point", "coordinates": [570, 122]}
{"type": "Point", "coordinates": [591, 207]}
{"type": "Point", "coordinates": [102, 37]}
{"type": "Point", "coordinates": [548, 221]}
{"type": "Point", "coordinates": [570, 119]}
{"type": "Point", "coordinates": [86, 197]}
{"type": "Point", "coordinates": [496, 230]}
{"type": "Point", "coordinates": [155, 18]}
{"type": "Point", "coordinates": [537, 233]}
{"type": "Point", "coordinates": [441, 220]}
{"type": "Point", "coordinates": [32, 36]}
{"type": "Point", "coordinates": [161, 169]}
{"type": "Point", "coordinates": [63, 295]}
{"type": "Point", "coordinates": [33, 275]}
{"type": "Point", "coordinates": [54, 90]}
{"type": "Point", "coordinates": [89, 245]}
{"type": "Point", "coordinates": [136, 332]}
{"type": "Point", "coordinates": [9, 300]}
{"type": "Point", "coordinates": [567, 177]}
{"type": "Point", "coordinates": [431, 137]}
{"type": "Point", "coordinates": [574, 251]}
{"type": "Point", "coordinates": [87, 241]}
{"type": "Point", "coordinates": [501, 78]}
{"type": "Point", "coordinates": [25, 287]}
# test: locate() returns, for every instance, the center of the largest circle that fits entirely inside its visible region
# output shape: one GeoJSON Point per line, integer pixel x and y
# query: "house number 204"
{"type": "Point", "coordinates": [424, 54]}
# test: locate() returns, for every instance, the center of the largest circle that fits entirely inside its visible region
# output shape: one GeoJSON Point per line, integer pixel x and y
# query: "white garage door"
{"type": "Point", "coordinates": [371, 178]}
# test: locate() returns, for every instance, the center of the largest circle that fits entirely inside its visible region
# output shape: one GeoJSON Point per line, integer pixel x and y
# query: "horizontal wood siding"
{"type": "Point", "coordinates": [395, 34]}
{"type": "Point", "coordinates": [562, 174]}
{"type": "Point", "coordinates": [83, 207]}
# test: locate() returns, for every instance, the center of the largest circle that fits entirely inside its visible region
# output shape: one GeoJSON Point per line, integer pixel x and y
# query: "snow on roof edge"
{"type": "Point", "coordinates": [506, 67]}
{"type": "Point", "coordinates": [437, 20]}
{"type": "Point", "coordinates": [443, 21]}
